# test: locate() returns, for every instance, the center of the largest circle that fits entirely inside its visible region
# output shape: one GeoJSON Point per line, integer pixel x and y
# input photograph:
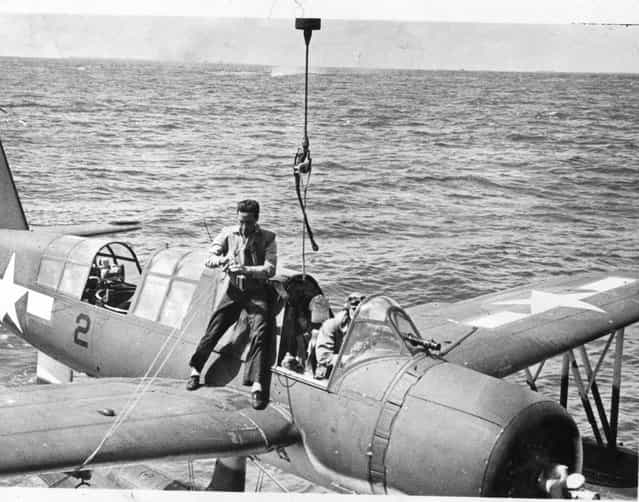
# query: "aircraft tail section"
{"type": "Point", "coordinates": [11, 213]}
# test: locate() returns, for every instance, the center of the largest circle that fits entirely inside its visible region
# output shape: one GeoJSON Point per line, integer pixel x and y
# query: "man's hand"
{"type": "Point", "coordinates": [237, 269]}
{"type": "Point", "coordinates": [216, 261]}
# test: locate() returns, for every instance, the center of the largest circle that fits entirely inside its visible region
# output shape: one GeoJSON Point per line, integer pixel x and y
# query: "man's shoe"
{"type": "Point", "coordinates": [193, 383]}
{"type": "Point", "coordinates": [258, 400]}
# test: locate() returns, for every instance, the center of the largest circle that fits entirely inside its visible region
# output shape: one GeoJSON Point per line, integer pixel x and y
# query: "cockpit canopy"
{"type": "Point", "coordinates": [380, 328]}
{"type": "Point", "coordinates": [107, 274]}
{"type": "Point", "coordinates": [68, 262]}
{"type": "Point", "coordinates": [168, 285]}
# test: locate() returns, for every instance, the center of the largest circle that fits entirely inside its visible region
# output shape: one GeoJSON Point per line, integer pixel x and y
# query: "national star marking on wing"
{"type": "Point", "coordinates": [542, 301]}
{"type": "Point", "coordinates": [10, 293]}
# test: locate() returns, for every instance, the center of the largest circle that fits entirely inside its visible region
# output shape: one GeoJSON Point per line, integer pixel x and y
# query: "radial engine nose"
{"type": "Point", "coordinates": [463, 433]}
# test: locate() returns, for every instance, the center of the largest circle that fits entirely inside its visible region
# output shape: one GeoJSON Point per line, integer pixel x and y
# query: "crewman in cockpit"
{"type": "Point", "coordinates": [248, 254]}
{"type": "Point", "coordinates": [331, 334]}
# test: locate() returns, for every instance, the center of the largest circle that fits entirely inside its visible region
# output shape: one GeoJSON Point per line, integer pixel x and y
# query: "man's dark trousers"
{"type": "Point", "coordinates": [257, 318]}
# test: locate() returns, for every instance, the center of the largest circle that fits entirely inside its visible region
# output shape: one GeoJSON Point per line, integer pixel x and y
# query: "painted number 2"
{"type": "Point", "coordinates": [83, 322]}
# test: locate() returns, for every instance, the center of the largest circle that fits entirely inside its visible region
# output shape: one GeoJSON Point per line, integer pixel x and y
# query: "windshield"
{"type": "Point", "coordinates": [375, 332]}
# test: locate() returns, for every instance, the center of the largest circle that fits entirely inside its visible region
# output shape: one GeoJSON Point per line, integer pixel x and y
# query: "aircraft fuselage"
{"type": "Point", "coordinates": [387, 421]}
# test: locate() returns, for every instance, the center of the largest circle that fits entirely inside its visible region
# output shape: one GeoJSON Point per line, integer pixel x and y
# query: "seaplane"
{"type": "Point", "coordinates": [416, 403]}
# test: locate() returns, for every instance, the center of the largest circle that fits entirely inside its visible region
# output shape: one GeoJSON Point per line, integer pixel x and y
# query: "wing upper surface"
{"type": "Point", "coordinates": [501, 333]}
{"type": "Point", "coordinates": [92, 229]}
{"type": "Point", "coordinates": [56, 427]}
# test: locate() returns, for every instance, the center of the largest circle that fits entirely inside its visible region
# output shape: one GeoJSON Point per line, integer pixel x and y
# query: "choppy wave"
{"type": "Point", "coordinates": [426, 186]}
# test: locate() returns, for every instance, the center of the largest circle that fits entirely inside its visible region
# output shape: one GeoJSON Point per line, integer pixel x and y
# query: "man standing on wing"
{"type": "Point", "coordinates": [248, 254]}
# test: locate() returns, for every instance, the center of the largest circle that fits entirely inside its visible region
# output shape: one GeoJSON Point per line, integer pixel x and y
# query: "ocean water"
{"type": "Point", "coordinates": [426, 186]}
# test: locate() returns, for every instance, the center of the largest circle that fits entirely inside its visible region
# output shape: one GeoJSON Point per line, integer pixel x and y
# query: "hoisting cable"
{"type": "Point", "coordinates": [302, 161]}
{"type": "Point", "coordinates": [306, 185]}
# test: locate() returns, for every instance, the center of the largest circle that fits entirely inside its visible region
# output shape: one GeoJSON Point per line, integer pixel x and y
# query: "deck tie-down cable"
{"type": "Point", "coordinates": [141, 388]}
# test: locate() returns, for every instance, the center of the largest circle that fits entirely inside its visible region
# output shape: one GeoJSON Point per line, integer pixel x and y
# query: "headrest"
{"type": "Point", "coordinates": [319, 308]}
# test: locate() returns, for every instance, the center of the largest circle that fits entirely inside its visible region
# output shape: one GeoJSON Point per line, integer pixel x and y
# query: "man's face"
{"type": "Point", "coordinates": [247, 223]}
{"type": "Point", "coordinates": [353, 301]}
{"type": "Point", "coordinates": [352, 306]}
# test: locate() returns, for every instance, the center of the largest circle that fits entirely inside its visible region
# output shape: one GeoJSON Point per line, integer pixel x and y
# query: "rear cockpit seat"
{"type": "Point", "coordinates": [106, 286]}
{"type": "Point", "coordinates": [305, 310]}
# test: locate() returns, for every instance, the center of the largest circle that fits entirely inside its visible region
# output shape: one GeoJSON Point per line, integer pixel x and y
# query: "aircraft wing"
{"type": "Point", "coordinates": [502, 333]}
{"type": "Point", "coordinates": [48, 428]}
{"type": "Point", "coordinates": [91, 229]}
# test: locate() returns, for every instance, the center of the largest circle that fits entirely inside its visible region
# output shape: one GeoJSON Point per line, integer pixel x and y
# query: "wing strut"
{"type": "Point", "coordinates": [587, 384]}
{"type": "Point", "coordinates": [584, 397]}
{"type": "Point", "coordinates": [532, 380]}
{"type": "Point", "coordinates": [616, 388]}
{"type": "Point", "coordinates": [563, 392]}
{"type": "Point", "coordinates": [606, 462]}
{"type": "Point", "coordinates": [592, 384]}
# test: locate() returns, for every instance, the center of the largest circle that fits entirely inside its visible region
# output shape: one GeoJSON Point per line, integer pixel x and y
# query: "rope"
{"type": "Point", "coordinates": [143, 388]}
{"type": "Point", "coordinates": [306, 97]}
{"type": "Point", "coordinates": [135, 400]}
{"type": "Point", "coordinates": [139, 391]}
{"type": "Point", "coordinates": [305, 156]}
{"type": "Point", "coordinates": [303, 250]}
{"type": "Point", "coordinates": [305, 188]}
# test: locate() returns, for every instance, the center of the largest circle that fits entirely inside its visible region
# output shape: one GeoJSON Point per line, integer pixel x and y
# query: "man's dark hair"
{"type": "Point", "coordinates": [249, 206]}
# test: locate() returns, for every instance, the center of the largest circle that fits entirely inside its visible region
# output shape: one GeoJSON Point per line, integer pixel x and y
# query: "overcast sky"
{"type": "Point", "coordinates": [536, 35]}
{"type": "Point", "coordinates": [496, 11]}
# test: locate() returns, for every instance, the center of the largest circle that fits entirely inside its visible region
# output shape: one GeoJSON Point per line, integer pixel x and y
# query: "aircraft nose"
{"type": "Point", "coordinates": [498, 435]}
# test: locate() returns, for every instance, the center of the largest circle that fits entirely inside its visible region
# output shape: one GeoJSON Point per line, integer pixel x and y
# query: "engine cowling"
{"type": "Point", "coordinates": [463, 433]}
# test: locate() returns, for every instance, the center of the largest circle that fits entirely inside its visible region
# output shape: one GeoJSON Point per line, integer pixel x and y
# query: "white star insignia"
{"type": "Point", "coordinates": [10, 293]}
{"type": "Point", "coordinates": [541, 301]}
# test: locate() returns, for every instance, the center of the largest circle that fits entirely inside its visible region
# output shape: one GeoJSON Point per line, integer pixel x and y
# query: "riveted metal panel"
{"type": "Point", "coordinates": [377, 479]}
{"type": "Point", "coordinates": [452, 456]}
{"type": "Point", "coordinates": [371, 379]}
{"type": "Point", "coordinates": [492, 399]}
{"type": "Point", "coordinates": [399, 390]}
{"type": "Point", "coordinates": [395, 396]}
{"type": "Point", "coordinates": [378, 449]}
{"type": "Point", "coordinates": [386, 418]}
{"type": "Point", "coordinates": [419, 366]}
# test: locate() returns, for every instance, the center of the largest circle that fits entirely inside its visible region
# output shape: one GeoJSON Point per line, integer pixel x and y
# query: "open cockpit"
{"type": "Point", "coordinates": [108, 275]}
{"type": "Point", "coordinates": [98, 271]}
{"type": "Point", "coordinates": [379, 329]}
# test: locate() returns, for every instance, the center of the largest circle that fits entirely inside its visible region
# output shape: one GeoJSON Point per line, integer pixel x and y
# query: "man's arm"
{"type": "Point", "coordinates": [270, 263]}
{"type": "Point", "coordinates": [325, 347]}
{"type": "Point", "coordinates": [217, 250]}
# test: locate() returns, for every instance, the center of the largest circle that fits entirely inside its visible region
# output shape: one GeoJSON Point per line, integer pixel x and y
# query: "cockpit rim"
{"type": "Point", "coordinates": [334, 380]}
{"type": "Point", "coordinates": [66, 256]}
{"type": "Point", "coordinates": [391, 310]}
